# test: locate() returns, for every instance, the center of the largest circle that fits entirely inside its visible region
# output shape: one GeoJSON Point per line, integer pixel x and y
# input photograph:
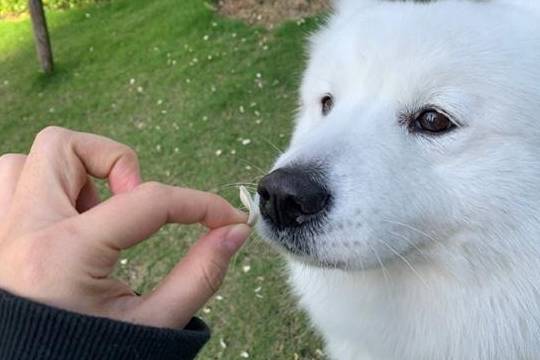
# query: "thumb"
{"type": "Point", "coordinates": [194, 280]}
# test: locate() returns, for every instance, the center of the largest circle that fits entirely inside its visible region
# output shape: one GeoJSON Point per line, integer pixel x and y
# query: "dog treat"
{"type": "Point", "coordinates": [247, 200]}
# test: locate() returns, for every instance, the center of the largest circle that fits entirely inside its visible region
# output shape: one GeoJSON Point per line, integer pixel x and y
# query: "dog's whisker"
{"type": "Point", "coordinates": [407, 262]}
{"type": "Point", "coordinates": [275, 147]}
{"type": "Point", "coordinates": [385, 272]}
{"type": "Point", "coordinates": [418, 231]}
{"type": "Point", "coordinates": [263, 172]}
{"type": "Point", "coordinates": [410, 242]}
{"type": "Point", "coordinates": [247, 184]}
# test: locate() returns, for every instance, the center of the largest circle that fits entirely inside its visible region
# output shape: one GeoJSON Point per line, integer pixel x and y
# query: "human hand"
{"type": "Point", "coordinates": [59, 244]}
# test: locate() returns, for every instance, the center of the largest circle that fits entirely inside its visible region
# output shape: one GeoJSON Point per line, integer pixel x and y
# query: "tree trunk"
{"type": "Point", "coordinates": [41, 35]}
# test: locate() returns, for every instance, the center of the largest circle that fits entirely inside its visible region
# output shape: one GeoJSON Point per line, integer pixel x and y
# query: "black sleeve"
{"type": "Point", "coordinates": [30, 330]}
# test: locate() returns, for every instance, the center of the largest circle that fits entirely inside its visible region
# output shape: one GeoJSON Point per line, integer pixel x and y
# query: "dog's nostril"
{"type": "Point", "coordinates": [289, 195]}
{"type": "Point", "coordinates": [315, 203]}
{"type": "Point", "coordinates": [263, 193]}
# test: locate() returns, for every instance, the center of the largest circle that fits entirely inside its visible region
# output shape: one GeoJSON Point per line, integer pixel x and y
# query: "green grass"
{"type": "Point", "coordinates": [197, 96]}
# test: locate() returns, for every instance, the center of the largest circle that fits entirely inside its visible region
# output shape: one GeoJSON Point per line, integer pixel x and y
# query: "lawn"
{"type": "Point", "coordinates": [207, 102]}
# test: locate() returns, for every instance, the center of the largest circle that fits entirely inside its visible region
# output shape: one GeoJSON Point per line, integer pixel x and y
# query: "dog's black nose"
{"type": "Point", "coordinates": [291, 196]}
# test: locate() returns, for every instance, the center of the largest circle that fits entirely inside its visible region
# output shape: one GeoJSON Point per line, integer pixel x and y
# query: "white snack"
{"type": "Point", "coordinates": [247, 200]}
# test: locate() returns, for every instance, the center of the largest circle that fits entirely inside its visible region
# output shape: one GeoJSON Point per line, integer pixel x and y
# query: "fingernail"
{"type": "Point", "coordinates": [236, 236]}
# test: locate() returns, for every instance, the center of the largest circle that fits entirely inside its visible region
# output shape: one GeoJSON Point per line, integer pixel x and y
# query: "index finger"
{"type": "Point", "coordinates": [126, 219]}
{"type": "Point", "coordinates": [58, 166]}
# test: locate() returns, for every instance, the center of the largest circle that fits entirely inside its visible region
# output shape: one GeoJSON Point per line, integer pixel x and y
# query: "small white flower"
{"type": "Point", "coordinates": [88, 15]}
{"type": "Point", "coordinates": [246, 268]}
{"type": "Point", "coordinates": [233, 152]}
{"type": "Point", "coordinates": [174, 62]}
{"type": "Point", "coordinates": [244, 354]}
{"type": "Point", "coordinates": [219, 152]}
{"type": "Point", "coordinates": [247, 167]}
{"type": "Point", "coordinates": [131, 81]}
{"type": "Point", "coordinates": [140, 89]}
{"type": "Point", "coordinates": [176, 150]}
{"type": "Point", "coordinates": [205, 37]}
{"type": "Point", "coordinates": [158, 148]}
{"type": "Point", "coordinates": [214, 24]}
{"type": "Point", "coordinates": [258, 121]}
{"type": "Point", "coordinates": [219, 297]}
{"type": "Point", "coordinates": [257, 290]}
{"type": "Point", "coordinates": [265, 47]}
{"type": "Point", "coordinates": [233, 35]}
{"type": "Point", "coordinates": [207, 310]}
{"type": "Point", "coordinates": [242, 110]}
{"type": "Point", "coordinates": [205, 118]}
{"type": "Point", "coordinates": [246, 142]}
{"type": "Point", "coordinates": [253, 104]}
{"type": "Point", "coordinates": [210, 57]}
{"type": "Point", "coordinates": [258, 75]}
{"type": "Point", "coordinates": [195, 60]}
{"type": "Point", "coordinates": [123, 262]}
{"type": "Point", "coordinates": [159, 102]}
{"type": "Point", "coordinates": [257, 114]}
{"type": "Point", "coordinates": [222, 343]}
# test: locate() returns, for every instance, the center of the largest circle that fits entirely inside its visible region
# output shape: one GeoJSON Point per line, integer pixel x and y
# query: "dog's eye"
{"type": "Point", "coordinates": [327, 103]}
{"type": "Point", "coordinates": [433, 121]}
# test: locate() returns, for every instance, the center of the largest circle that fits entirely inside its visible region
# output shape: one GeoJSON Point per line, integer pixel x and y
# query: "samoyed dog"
{"type": "Point", "coordinates": [408, 202]}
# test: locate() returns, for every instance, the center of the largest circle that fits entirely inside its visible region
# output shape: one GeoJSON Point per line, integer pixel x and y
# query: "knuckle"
{"type": "Point", "coordinates": [153, 189]}
{"type": "Point", "coordinates": [50, 132]}
{"type": "Point", "coordinates": [11, 161]}
{"type": "Point", "coordinates": [51, 136]}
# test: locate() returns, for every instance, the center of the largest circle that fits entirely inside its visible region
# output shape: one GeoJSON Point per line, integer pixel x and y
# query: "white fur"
{"type": "Point", "coordinates": [438, 237]}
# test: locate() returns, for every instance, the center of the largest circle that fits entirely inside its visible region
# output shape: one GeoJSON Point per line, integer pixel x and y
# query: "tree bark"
{"type": "Point", "coordinates": [41, 35]}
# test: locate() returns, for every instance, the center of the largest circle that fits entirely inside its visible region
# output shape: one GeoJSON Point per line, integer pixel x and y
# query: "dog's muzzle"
{"type": "Point", "coordinates": [291, 197]}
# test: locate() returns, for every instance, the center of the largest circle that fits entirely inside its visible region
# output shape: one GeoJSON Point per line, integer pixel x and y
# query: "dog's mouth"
{"type": "Point", "coordinates": [298, 240]}
{"type": "Point", "coordinates": [322, 242]}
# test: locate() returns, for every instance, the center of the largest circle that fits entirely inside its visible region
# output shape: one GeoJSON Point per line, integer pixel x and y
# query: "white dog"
{"type": "Point", "coordinates": [408, 202]}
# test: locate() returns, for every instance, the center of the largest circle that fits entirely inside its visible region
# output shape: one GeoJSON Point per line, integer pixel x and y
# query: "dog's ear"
{"type": "Point", "coordinates": [352, 5]}
{"type": "Point", "coordinates": [532, 5]}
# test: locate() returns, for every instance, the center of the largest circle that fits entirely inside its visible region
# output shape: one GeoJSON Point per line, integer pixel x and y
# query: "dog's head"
{"type": "Point", "coordinates": [417, 122]}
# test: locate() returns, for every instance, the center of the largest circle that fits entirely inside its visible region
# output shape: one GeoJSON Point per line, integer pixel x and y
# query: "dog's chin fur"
{"type": "Point", "coordinates": [431, 249]}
